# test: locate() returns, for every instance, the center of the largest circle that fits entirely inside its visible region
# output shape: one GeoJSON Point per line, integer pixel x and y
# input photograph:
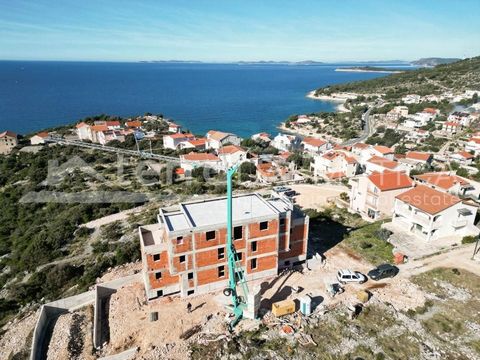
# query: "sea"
{"type": "Point", "coordinates": [239, 98]}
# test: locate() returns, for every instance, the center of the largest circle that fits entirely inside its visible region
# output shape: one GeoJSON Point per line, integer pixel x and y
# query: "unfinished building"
{"type": "Point", "coordinates": [185, 252]}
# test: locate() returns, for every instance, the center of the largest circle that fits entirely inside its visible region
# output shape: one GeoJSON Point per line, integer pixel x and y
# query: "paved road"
{"type": "Point", "coordinates": [368, 130]}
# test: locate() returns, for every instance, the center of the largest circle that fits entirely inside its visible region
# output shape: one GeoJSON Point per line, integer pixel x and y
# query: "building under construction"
{"type": "Point", "coordinates": [185, 252]}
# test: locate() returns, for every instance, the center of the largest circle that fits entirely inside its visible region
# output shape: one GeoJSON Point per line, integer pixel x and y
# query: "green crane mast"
{"type": "Point", "coordinates": [235, 273]}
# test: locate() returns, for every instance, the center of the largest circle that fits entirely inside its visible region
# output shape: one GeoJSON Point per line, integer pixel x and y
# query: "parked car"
{"type": "Point", "coordinates": [383, 271]}
{"type": "Point", "coordinates": [349, 276]}
{"type": "Point", "coordinates": [281, 189]}
{"type": "Point", "coordinates": [290, 193]}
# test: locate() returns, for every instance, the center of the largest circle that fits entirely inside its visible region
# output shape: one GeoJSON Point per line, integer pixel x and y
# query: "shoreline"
{"type": "Point", "coordinates": [340, 103]}
{"type": "Point", "coordinates": [368, 71]}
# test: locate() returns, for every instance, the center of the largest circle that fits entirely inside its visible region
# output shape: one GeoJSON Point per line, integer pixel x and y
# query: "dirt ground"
{"type": "Point", "coordinates": [71, 337]}
{"type": "Point", "coordinates": [316, 196]}
{"type": "Point", "coordinates": [18, 336]}
{"type": "Point", "coordinates": [159, 338]}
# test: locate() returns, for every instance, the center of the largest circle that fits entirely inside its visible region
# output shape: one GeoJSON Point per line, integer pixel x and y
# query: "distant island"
{"type": "Point", "coordinates": [373, 69]}
{"type": "Point", "coordinates": [434, 61]}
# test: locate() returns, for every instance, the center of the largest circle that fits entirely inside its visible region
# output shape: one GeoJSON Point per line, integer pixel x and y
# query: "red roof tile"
{"type": "Point", "coordinates": [442, 180]}
{"type": "Point", "coordinates": [417, 155]}
{"type": "Point", "coordinates": [391, 180]}
{"type": "Point", "coordinates": [384, 162]}
{"type": "Point", "coordinates": [428, 200]}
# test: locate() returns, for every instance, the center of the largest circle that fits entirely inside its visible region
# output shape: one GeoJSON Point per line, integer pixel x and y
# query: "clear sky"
{"type": "Point", "coordinates": [229, 30]}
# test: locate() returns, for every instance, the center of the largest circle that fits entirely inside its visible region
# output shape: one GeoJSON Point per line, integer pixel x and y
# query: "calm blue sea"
{"type": "Point", "coordinates": [243, 99]}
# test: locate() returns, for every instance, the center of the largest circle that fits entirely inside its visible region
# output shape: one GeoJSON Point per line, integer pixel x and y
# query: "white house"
{"type": "Point", "coordinates": [174, 140]}
{"type": "Point", "coordinates": [315, 146]}
{"type": "Point", "coordinates": [83, 131]}
{"type": "Point", "coordinates": [231, 155]}
{"type": "Point", "coordinates": [445, 181]}
{"type": "Point", "coordinates": [417, 135]}
{"type": "Point", "coordinates": [216, 139]}
{"type": "Point", "coordinates": [39, 138]}
{"type": "Point", "coordinates": [174, 128]}
{"type": "Point", "coordinates": [372, 196]}
{"type": "Point", "coordinates": [451, 127]}
{"type": "Point", "coordinates": [411, 99]}
{"type": "Point", "coordinates": [473, 145]}
{"type": "Point", "coordinates": [8, 140]}
{"type": "Point", "coordinates": [462, 157]}
{"type": "Point", "coordinates": [432, 215]}
{"type": "Point", "coordinates": [381, 164]}
{"type": "Point", "coordinates": [418, 120]}
{"type": "Point", "coordinates": [382, 151]}
{"type": "Point", "coordinates": [460, 117]}
{"type": "Point", "coordinates": [397, 112]}
{"type": "Point", "coordinates": [286, 142]}
{"type": "Point", "coordinates": [193, 160]}
{"type": "Point", "coordinates": [264, 137]}
{"type": "Point", "coordinates": [195, 144]}
{"type": "Point", "coordinates": [422, 158]}
{"type": "Point", "coordinates": [335, 164]}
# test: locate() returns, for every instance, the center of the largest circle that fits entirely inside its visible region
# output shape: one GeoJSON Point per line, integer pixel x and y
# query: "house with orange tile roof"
{"type": "Point", "coordinates": [445, 181]}
{"type": "Point", "coordinates": [174, 141]}
{"type": "Point", "coordinates": [217, 139]}
{"type": "Point", "coordinates": [193, 160]}
{"type": "Point", "coordinates": [83, 131]}
{"type": "Point", "coordinates": [417, 159]}
{"type": "Point", "coordinates": [135, 124]}
{"type": "Point", "coordinates": [462, 157]}
{"type": "Point", "coordinates": [174, 128]}
{"type": "Point", "coordinates": [194, 144]}
{"type": "Point", "coordinates": [231, 155]}
{"type": "Point", "coordinates": [473, 144]}
{"type": "Point", "coordinates": [39, 139]}
{"type": "Point", "coordinates": [263, 137]}
{"type": "Point", "coordinates": [271, 172]}
{"type": "Point", "coordinates": [433, 215]}
{"type": "Point", "coordinates": [373, 196]}
{"type": "Point", "coordinates": [315, 146]}
{"type": "Point", "coordinates": [381, 164]}
{"type": "Point", "coordinates": [8, 140]}
{"type": "Point", "coordinates": [383, 151]}
{"type": "Point", "coordinates": [335, 164]}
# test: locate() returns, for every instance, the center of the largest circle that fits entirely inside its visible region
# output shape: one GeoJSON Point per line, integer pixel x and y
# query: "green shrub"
{"type": "Point", "coordinates": [469, 239]}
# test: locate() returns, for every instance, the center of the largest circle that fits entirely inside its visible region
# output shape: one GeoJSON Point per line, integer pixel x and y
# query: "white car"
{"type": "Point", "coordinates": [349, 276]}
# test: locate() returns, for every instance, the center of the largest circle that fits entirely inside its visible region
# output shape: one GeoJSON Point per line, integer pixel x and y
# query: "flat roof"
{"type": "Point", "coordinates": [213, 212]}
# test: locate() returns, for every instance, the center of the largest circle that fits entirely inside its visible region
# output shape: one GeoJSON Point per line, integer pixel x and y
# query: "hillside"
{"type": "Point", "coordinates": [434, 61]}
{"type": "Point", "coordinates": [457, 76]}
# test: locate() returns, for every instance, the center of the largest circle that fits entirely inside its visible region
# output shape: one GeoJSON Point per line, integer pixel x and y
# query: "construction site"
{"type": "Point", "coordinates": [252, 276]}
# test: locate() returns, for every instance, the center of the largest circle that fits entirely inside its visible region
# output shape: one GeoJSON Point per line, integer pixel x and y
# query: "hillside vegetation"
{"type": "Point", "coordinates": [457, 76]}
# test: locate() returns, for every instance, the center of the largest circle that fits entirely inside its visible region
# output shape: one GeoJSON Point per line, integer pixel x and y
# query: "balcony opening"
{"type": "Point", "coordinates": [237, 232]}
{"type": "Point", "coordinates": [254, 246]}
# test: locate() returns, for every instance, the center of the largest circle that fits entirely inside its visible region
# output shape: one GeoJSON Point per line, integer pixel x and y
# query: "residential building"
{"type": "Point", "coordinates": [462, 157]}
{"type": "Point", "coordinates": [315, 146]}
{"type": "Point", "coordinates": [418, 120]}
{"type": "Point", "coordinates": [285, 142]}
{"type": "Point", "coordinates": [411, 99]}
{"type": "Point", "coordinates": [193, 160]}
{"type": "Point", "coordinates": [422, 158]}
{"type": "Point", "coordinates": [334, 165]}
{"type": "Point", "coordinates": [382, 151]}
{"type": "Point", "coordinates": [231, 155]}
{"type": "Point", "coordinates": [174, 128]}
{"type": "Point", "coordinates": [381, 164]}
{"type": "Point", "coordinates": [135, 124]}
{"type": "Point", "coordinates": [83, 131]}
{"type": "Point", "coordinates": [373, 195]}
{"type": "Point", "coordinates": [271, 172]}
{"type": "Point", "coordinates": [8, 140]}
{"type": "Point", "coordinates": [263, 137]}
{"type": "Point", "coordinates": [113, 125]}
{"type": "Point", "coordinates": [194, 144]}
{"type": "Point", "coordinates": [451, 127]}
{"type": "Point", "coordinates": [417, 135]}
{"type": "Point", "coordinates": [397, 112]}
{"type": "Point", "coordinates": [432, 215]}
{"type": "Point", "coordinates": [463, 118]}
{"type": "Point", "coordinates": [174, 141]}
{"type": "Point", "coordinates": [359, 148]}
{"type": "Point", "coordinates": [217, 139]}
{"type": "Point", "coordinates": [473, 145]}
{"type": "Point", "coordinates": [39, 138]}
{"type": "Point", "coordinates": [185, 252]}
{"type": "Point", "coordinates": [445, 181]}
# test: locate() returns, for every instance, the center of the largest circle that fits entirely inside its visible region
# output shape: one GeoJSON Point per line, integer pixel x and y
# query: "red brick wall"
{"type": "Point", "coordinates": [201, 242]}
{"type": "Point", "coordinates": [263, 246]}
{"type": "Point", "coordinates": [210, 275]}
{"type": "Point", "coordinates": [166, 279]}
{"type": "Point", "coordinates": [187, 265]}
{"type": "Point", "coordinates": [263, 263]}
{"type": "Point", "coordinates": [283, 242]}
{"type": "Point", "coordinates": [296, 250]}
{"type": "Point", "coordinates": [298, 233]}
{"type": "Point", "coordinates": [208, 257]}
{"type": "Point", "coordinates": [185, 247]}
{"type": "Point", "coordinates": [154, 265]}
{"type": "Point", "coordinates": [254, 229]}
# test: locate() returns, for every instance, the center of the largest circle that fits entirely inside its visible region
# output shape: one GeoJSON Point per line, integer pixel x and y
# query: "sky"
{"type": "Point", "coordinates": [232, 30]}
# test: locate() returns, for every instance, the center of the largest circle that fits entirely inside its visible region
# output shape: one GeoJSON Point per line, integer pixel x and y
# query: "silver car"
{"type": "Point", "coordinates": [348, 276]}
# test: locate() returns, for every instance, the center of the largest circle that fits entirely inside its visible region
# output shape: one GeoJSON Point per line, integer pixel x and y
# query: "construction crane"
{"type": "Point", "coordinates": [235, 273]}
